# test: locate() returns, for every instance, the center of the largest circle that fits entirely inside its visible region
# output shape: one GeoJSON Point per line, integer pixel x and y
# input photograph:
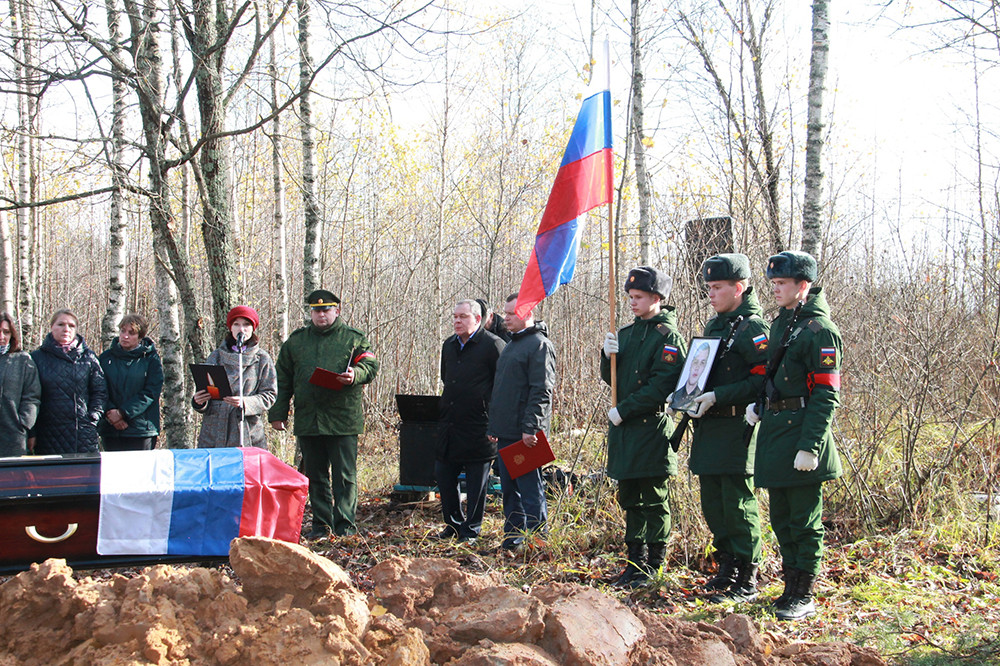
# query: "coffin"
{"type": "Point", "coordinates": [143, 507]}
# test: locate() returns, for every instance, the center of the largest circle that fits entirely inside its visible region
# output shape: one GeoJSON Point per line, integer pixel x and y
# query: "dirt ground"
{"type": "Point", "coordinates": [288, 605]}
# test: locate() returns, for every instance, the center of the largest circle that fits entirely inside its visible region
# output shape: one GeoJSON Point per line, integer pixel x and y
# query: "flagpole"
{"type": "Point", "coordinates": [612, 293]}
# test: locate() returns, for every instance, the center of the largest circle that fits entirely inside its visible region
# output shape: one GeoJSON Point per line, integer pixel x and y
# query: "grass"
{"type": "Point", "coordinates": [918, 596]}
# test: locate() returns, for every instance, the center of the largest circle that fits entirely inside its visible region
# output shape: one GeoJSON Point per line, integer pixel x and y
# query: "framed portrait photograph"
{"type": "Point", "coordinates": [697, 366]}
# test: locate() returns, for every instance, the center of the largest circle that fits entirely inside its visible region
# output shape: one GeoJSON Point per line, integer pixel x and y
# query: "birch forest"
{"type": "Point", "coordinates": [178, 158]}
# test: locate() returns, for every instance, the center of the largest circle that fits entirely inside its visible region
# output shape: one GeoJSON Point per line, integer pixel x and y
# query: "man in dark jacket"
{"type": "Point", "coordinates": [650, 355]}
{"type": "Point", "coordinates": [719, 456]}
{"type": "Point", "coordinates": [468, 365]}
{"type": "Point", "coordinates": [328, 414]}
{"type": "Point", "coordinates": [795, 449]}
{"type": "Point", "coordinates": [521, 406]}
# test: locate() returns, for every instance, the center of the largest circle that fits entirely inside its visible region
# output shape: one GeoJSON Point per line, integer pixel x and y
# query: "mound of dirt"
{"type": "Point", "coordinates": [297, 607]}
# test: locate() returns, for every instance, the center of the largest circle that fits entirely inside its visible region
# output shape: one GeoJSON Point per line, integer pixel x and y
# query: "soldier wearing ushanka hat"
{"type": "Point", "coordinates": [328, 414]}
{"type": "Point", "coordinates": [723, 464]}
{"type": "Point", "coordinates": [795, 448]}
{"type": "Point", "coordinates": [650, 356]}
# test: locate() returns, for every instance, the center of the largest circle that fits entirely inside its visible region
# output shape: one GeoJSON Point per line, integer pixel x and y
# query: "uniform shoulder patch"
{"type": "Point", "coordinates": [814, 326]}
{"type": "Point", "coordinates": [670, 353]}
{"type": "Point", "coordinates": [663, 329]}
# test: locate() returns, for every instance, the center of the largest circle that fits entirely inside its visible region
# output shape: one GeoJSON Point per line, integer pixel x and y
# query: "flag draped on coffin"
{"type": "Point", "coordinates": [195, 501]}
{"type": "Point", "coordinates": [583, 183]}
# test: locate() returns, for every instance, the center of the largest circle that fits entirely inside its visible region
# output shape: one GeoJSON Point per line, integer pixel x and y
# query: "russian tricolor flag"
{"type": "Point", "coordinates": [583, 183]}
{"type": "Point", "coordinates": [195, 501]}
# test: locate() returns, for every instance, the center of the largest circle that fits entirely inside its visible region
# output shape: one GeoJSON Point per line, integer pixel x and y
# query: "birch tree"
{"type": "Point", "coordinates": [279, 257]}
{"type": "Point", "coordinates": [116, 241]}
{"type": "Point", "coordinates": [643, 183]}
{"type": "Point", "coordinates": [313, 223]}
{"type": "Point", "coordinates": [811, 207]}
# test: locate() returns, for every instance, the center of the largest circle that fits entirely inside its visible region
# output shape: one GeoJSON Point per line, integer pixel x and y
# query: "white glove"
{"type": "Point", "coordinates": [610, 344]}
{"type": "Point", "coordinates": [704, 402]}
{"type": "Point", "coordinates": [751, 415]}
{"type": "Point", "coordinates": [806, 461]}
{"type": "Point", "coordinates": [669, 412]}
{"type": "Point", "coordinates": [614, 416]}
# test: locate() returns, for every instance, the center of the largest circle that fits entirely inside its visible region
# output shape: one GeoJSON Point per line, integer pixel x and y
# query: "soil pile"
{"type": "Point", "coordinates": [296, 607]}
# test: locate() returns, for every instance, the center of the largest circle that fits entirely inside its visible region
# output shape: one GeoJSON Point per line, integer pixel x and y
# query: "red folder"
{"type": "Point", "coordinates": [520, 459]}
{"type": "Point", "coordinates": [326, 379]}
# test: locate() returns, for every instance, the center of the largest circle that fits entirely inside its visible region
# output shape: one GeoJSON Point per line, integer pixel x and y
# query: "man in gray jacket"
{"type": "Point", "coordinates": [521, 406]}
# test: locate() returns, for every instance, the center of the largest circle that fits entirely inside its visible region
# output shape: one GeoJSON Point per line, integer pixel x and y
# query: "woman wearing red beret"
{"type": "Point", "coordinates": [225, 418]}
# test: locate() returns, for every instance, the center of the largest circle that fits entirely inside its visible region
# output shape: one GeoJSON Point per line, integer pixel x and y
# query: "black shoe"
{"type": "Point", "coordinates": [725, 576]}
{"type": "Point", "coordinates": [799, 604]}
{"type": "Point", "coordinates": [635, 559]}
{"type": "Point", "coordinates": [468, 540]}
{"type": "Point", "coordinates": [317, 533]}
{"type": "Point", "coordinates": [513, 544]}
{"type": "Point", "coordinates": [447, 533]}
{"type": "Point", "coordinates": [744, 588]}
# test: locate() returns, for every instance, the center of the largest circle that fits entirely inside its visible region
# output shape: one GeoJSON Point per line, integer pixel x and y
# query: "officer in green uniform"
{"type": "Point", "coordinates": [650, 355]}
{"type": "Point", "coordinates": [719, 456]}
{"type": "Point", "coordinates": [328, 415]}
{"type": "Point", "coordinates": [795, 449]}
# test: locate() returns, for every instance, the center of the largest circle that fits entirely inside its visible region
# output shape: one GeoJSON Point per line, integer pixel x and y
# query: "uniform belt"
{"type": "Point", "coordinates": [785, 403]}
{"type": "Point", "coordinates": [724, 411]}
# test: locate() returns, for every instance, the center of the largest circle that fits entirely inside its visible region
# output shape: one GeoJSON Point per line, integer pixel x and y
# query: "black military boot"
{"type": "Point", "coordinates": [636, 558]}
{"type": "Point", "coordinates": [726, 574]}
{"type": "Point", "coordinates": [791, 575]}
{"type": "Point", "coordinates": [744, 587]}
{"type": "Point", "coordinates": [650, 566]}
{"type": "Point", "coordinates": [799, 604]}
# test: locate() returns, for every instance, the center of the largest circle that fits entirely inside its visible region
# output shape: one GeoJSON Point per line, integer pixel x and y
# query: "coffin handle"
{"type": "Point", "coordinates": [33, 533]}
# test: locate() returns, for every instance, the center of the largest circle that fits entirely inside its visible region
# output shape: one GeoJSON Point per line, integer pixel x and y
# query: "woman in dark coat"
{"type": "Point", "coordinates": [134, 376]}
{"type": "Point", "coordinates": [73, 390]}
{"type": "Point", "coordinates": [20, 391]}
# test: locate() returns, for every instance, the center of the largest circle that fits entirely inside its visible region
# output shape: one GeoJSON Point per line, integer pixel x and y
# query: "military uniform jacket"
{"type": "Point", "coordinates": [810, 369]}
{"type": "Point", "coordinates": [319, 410]}
{"type": "Point", "coordinates": [650, 359]}
{"type": "Point", "coordinates": [467, 373]}
{"type": "Point", "coordinates": [717, 446]}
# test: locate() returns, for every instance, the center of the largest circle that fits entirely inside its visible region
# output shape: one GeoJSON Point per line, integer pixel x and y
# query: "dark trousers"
{"type": "Point", "coordinates": [646, 503]}
{"type": "Point", "coordinates": [730, 509]}
{"type": "Point", "coordinates": [465, 524]}
{"type": "Point", "coordinates": [524, 505]}
{"type": "Point", "coordinates": [128, 443]}
{"type": "Point", "coordinates": [797, 520]}
{"type": "Point", "coordinates": [330, 462]}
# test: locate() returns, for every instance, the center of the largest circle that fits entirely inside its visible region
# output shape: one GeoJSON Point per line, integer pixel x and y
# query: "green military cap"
{"type": "Point", "coordinates": [647, 278]}
{"type": "Point", "coordinates": [726, 267]}
{"type": "Point", "coordinates": [790, 264]}
{"type": "Point", "coordinates": [321, 299]}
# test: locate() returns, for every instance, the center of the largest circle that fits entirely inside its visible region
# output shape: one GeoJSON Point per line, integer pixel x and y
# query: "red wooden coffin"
{"type": "Point", "coordinates": [50, 506]}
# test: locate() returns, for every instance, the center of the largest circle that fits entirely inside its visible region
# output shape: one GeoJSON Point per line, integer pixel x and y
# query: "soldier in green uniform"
{"type": "Point", "coordinates": [795, 449]}
{"type": "Point", "coordinates": [650, 356]}
{"type": "Point", "coordinates": [719, 456]}
{"type": "Point", "coordinates": [328, 418]}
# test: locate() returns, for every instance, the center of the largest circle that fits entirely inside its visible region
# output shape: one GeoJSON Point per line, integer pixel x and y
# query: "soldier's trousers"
{"type": "Point", "coordinates": [646, 503]}
{"type": "Point", "coordinates": [730, 509]}
{"type": "Point", "coordinates": [330, 462]}
{"type": "Point", "coordinates": [797, 520]}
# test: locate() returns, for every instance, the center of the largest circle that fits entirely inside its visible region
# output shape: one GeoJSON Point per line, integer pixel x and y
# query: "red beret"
{"type": "Point", "coordinates": [246, 312]}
